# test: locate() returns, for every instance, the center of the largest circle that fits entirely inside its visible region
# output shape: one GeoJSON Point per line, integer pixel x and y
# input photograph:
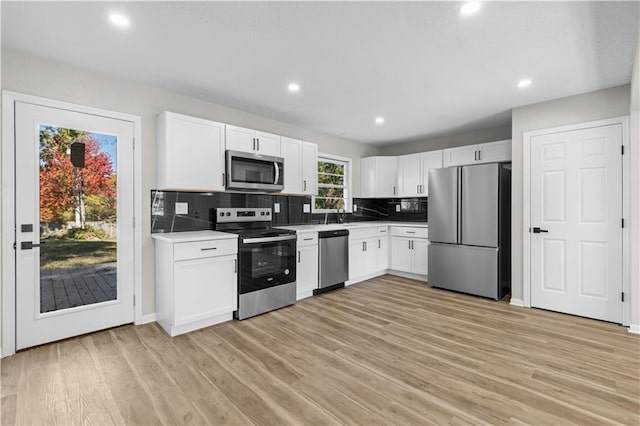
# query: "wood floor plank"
{"type": "Point", "coordinates": [387, 351]}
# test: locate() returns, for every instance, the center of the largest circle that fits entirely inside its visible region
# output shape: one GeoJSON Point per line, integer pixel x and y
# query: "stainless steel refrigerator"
{"type": "Point", "coordinates": [469, 214]}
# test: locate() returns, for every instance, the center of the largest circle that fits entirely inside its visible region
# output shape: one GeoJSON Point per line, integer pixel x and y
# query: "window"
{"type": "Point", "coordinates": [334, 184]}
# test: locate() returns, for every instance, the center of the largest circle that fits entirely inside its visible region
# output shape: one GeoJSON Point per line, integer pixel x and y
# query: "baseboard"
{"type": "Point", "coordinates": [146, 319]}
{"type": "Point", "coordinates": [634, 328]}
{"type": "Point", "coordinates": [516, 302]}
{"type": "Point", "coordinates": [408, 275]}
{"type": "Point", "coordinates": [364, 278]}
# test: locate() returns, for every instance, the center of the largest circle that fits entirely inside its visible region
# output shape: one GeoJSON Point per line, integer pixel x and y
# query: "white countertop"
{"type": "Point", "coordinates": [190, 236]}
{"type": "Point", "coordinates": [351, 225]}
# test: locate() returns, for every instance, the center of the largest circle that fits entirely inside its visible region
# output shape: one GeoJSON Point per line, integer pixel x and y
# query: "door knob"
{"type": "Point", "coordinates": [537, 230]}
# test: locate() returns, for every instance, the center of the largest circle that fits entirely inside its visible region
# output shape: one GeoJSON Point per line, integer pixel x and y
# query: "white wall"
{"type": "Point", "coordinates": [607, 103]}
{"type": "Point", "coordinates": [36, 76]}
{"type": "Point", "coordinates": [448, 141]}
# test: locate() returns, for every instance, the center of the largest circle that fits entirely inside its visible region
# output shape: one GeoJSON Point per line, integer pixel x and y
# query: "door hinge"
{"type": "Point", "coordinates": [14, 245]}
{"type": "Point", "coordinates": [623, 296]}
{"type": "Point", "coordinates": [622, 149]}
{"type": "Point", "coordinates": [622, 221]}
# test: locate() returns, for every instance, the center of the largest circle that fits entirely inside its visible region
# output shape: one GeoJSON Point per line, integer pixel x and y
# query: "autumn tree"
{"type": "Point", "coordinates": [57, 200]}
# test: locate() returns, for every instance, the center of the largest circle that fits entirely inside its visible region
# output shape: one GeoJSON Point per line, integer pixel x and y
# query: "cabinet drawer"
{"type": "Point", "coordinates": [307, 239]}
{"type": "Point", "coordinates": [408, 231]}
{"type": "Point", "coordinates": [200, 249]}
{"type": "Point", "coordinates": [360, 233]}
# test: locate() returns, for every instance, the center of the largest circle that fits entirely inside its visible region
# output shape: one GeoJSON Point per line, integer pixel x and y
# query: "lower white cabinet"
{"type": "Point", "coordinates": [307, 266]}
{"type": "Point", "coordinates": [196, 283]}
{"type": "Point", "coordinates": [409, 250]}
{"type": "Point", "coordinates": [368, 253]}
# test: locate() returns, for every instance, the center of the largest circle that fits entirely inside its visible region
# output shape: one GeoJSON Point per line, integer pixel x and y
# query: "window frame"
{"type": "Point", "coordinates": [347, 187]}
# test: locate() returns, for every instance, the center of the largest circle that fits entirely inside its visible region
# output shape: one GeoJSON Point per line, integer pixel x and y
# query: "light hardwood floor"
{"type": "Point", "coordinates": [386, 351]}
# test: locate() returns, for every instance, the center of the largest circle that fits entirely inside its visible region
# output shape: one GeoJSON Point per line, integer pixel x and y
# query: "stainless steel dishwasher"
{"type": "Point", "coordinates": [333, 256]}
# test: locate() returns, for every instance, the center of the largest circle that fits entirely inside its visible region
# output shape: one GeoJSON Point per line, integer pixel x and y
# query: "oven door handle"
{"type": "Point", "coordinates": [275, 163]}
{"type": "Point", "coordinates": [268, 239]}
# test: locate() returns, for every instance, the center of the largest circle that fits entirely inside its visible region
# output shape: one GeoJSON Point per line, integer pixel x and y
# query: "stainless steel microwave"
{"type": "Point", "coordinates": [254, 172]}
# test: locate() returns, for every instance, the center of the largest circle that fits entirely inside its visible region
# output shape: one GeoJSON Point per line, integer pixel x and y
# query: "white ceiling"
{"type": "Point", "coordinates": [421, 65]}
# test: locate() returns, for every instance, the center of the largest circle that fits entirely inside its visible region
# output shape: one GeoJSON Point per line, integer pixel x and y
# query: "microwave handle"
{"type": "Point", "coordinates": [275, 163]}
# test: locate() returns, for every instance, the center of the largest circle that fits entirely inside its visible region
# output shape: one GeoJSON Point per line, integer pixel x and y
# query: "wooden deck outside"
{"type": "Point", "coordinates": [83, 285]}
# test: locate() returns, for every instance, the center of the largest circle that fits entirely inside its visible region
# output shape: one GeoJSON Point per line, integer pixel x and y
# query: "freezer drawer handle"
{"type": "Point", "coordinates": [537, 230]}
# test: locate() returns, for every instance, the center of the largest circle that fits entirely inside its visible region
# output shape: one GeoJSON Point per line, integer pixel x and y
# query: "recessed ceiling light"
{"type": "Point", "coordinates": [379, 120]}
{"type": "Point", "coordinates": [294, 87]}
{"type": "Point", "coordinates": [470, 7]}
{"type": "Point", "coordinates": [524, 83]}
{"type": "Point", "coordinates": [119, 20]}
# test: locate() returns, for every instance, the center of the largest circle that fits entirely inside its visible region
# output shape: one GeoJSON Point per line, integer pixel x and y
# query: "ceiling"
{"type": "Point", "coordinates": [424, 67]}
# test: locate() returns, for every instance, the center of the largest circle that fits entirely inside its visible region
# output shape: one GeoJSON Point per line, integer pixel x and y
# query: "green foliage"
{"type": "Point", "coordinates": [88, 233]}
{"type": "Point", "coordinates": [62, 253]}
{"type": "Point", "coordinates": [100, 208]}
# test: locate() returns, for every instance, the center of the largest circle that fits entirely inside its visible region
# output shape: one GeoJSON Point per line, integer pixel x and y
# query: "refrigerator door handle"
{"type": "Point", "coordinates": [459, 207]}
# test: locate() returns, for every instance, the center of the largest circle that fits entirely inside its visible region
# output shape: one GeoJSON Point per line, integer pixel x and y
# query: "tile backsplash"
{"type": "Point", "coordinates": [200, 207]}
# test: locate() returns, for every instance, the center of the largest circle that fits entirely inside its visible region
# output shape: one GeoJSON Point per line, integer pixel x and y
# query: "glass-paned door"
{"type": "Point", "coordinates": [74, 223]}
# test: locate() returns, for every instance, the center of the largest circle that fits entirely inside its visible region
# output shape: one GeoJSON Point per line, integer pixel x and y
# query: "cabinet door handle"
{"type": "Point", "coordinates": [298, 256]}
{"type": "Point", "coordinates": [208, 248]}
{"type": "Point", "coordinates": [223, 179]}
{"type": "Point", "coordinates": [253, 147]}
{"type": "Point", "coordinates": [258, 140]}
{"type": "Point", "coordinates": [235, 266]}
{"type": "Point", "coordinates": [378, 243]}
{"type": "Point", "coordinates": [409, 244]}
{"type": "Point", "coordinates": [307, 239]}
{"type": "Point", "coordinates": [394, 190]}
{"type": "Point", "coordinates": [411, 232]}
{"type": "Point", "coordinates": [479, 155]}
{"type": "Point", "coordinates": [304, 183]}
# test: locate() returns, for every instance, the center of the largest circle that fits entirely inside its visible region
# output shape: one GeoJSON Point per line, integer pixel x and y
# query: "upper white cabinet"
{"type": "Point", "coordinates": [413, 172]}
{"type": "Point", "coordinates": [300, 166]}
{"type": "Point", "coordinates": [378, 177]}
{"type": "Point", "coordinates": [190, 153]}
{"type": "Point", "coordinates": [482, 153]}
{"type": "Point", "coordinates": [309, 168]}
{"type": "Point", "coordinates": [248, 140]}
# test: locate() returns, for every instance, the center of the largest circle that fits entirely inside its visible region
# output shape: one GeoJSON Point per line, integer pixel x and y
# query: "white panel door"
{"type": "Point", "coordinates": [240, 139]}
{"type": "Point", "coordinates": [491, 152]}
{"type": "Point", "coordinates": [576, 202]}
{"type": "Point", "coordinates": [72, 276]}
{"type": "Point", "coordinates": [307, 271]}
{"type": "Point", "coordinates": [268, 144]}
{"type": "Point", "coordinates": [460, 156]}
{"type": "Point", "coordinates": [401, 254]}
{"type": "Point", "coordinates": [386, 177]}
{"type": "Point", "coordinates": [420, 257]}
{"type": "Point", "coordinates": [383, 252]}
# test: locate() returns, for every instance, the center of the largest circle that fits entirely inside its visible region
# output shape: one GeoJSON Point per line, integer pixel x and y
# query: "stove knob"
{"type": "Point", "coordinates": [228, 214]}
{"type": "Point", "coordinates": [261, 213]}
{"type": "Point", "coordinates": [221, 214]}
{"type": "Point", "coordinates": [268, 213]}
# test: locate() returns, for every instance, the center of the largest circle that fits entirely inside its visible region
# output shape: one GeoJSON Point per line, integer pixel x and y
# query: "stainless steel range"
{"type": "Point", "coordinates": [266, 260]}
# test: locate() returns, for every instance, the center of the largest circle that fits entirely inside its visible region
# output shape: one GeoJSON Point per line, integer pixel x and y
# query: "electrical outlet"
{"type": "Point", "coordinates": [355, 208]}
{"type": "Point", "coordinates": [182, 208]}
{"type": "Point", "coordinates": [276, 207]}
{"type": "Point", "coordinates": [398, 208]}
{"type": "Point", "coordinates": [306, 208]}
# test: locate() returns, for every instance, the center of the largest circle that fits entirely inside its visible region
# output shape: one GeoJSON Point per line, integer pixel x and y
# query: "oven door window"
{"type": "Point", "coordinates": [265, 265]}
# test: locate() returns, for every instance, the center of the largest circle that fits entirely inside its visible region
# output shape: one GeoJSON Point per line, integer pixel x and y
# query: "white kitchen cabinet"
{"type": "Point", "coordinates": [190, 153]}
{"type": "Point", "coordinates": [248, 140]}
{"type": "Point", "coordinates": [368, 253]}
{"type": "Point", "coordinates": [300, 166]}
{"type": "Point", "coordinates": [430, 160]}
{"type": "Point", "coordinates": [196, 283]}
{"type": "Point", "coordinates": [291, 151]}
{"type": "Point", "coordinates": [413, 172]}
{"type": "Point", "coordinates": [309, 168]}
{"type": "Point", "coordinates": [383, 248]}
{"type": "Point", "coordinates": [475, 154]}
{"type": "Point", "coordinates": [378, 177]}
{"type": "Point", "coordinates": [409, 250]}
{"type": "Point", "coordinates": [363, 257]}
{"type": "Point", "coordinates": [307, 266]}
